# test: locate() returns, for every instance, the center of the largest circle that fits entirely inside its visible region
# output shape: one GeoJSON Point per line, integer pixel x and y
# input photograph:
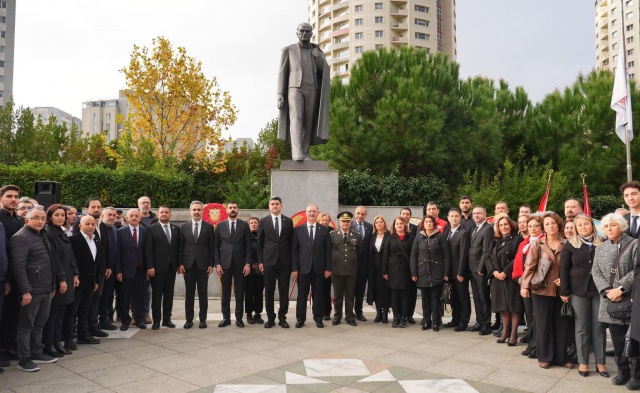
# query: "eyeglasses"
{"type": "Point", "coordinates": [43, 218]}
{"type": "Point", "coordinates": [23, 208]}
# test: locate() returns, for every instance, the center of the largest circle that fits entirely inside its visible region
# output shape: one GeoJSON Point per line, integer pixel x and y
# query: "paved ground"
{"type": "Point", "coordinates": [369, 357]}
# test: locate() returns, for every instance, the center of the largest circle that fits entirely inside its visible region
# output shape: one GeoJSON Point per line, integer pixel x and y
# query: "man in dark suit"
{"type": "Point", "coordinates": [109, 233]}
{"type": "Point", "coordinates": [130, 269]}
{"type": "Point", "coordinates": [310, 265]}
{"type": "Point", "coordinates": [458, 241]}
{"type": "Point", "coordinates": [631, 194]}
{"type": "Point", "coordinates": [161, 247]}
{"type": "Point", "coordinates": [232, 260]}
{"type": "Point", "coordinates": [406, 214]}
{"type": "Point", "coordinates": [274, 260]}
{"type": "Point", "coordinates": [196, 262]}
{"type": "Point", "coordinates": [479, 249]}
{"type": "Point", "coordinates": [87, 253]}
{"type": "Point", "coordinates": [365, 229]}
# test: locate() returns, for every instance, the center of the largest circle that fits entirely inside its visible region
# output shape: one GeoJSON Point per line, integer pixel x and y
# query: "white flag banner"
{"type": "Point", "coordinates": [621, 99]}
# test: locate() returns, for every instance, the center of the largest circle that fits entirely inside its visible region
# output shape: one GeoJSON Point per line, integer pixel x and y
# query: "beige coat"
{"type": "Point", "coordinates": [537, 247]}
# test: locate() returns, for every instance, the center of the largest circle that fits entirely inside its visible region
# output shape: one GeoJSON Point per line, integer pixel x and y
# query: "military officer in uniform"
{"type": "Point", "coordinates": [346, 248]}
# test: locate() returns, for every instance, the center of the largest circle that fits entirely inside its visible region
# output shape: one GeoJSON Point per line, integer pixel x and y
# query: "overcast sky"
{"type": "Point", "coordinates": [70, 51]}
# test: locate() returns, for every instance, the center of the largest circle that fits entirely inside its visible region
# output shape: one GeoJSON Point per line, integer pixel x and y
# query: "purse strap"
{"type": "Point", "coordinates": [614, 268]}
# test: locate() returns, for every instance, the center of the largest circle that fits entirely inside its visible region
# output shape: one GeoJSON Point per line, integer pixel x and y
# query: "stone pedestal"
{"type": "Point", "coordinates": [302, 183]}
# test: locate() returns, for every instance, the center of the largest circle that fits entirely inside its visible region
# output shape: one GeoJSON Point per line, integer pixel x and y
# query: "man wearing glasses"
{"type": "Point", "coordinates": [24, 205]}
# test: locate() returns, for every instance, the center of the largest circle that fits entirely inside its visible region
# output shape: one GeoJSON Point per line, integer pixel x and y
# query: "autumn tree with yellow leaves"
{"type": "Point", "coordinates": [175, 111]}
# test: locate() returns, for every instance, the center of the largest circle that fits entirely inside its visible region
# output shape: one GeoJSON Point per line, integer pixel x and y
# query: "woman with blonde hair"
{"type": "Point", "coordinates": [578, 288]}
{"type": "Point", "coordinates": [377, 290]}
{"type": "Point", "coordinates": [543, 262]}
{"type": "Point", "coordinates": [620, 249]}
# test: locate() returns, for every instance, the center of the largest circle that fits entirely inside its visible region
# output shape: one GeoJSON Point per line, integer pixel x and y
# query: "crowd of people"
{"type": "Point", "coordinates": [68, 281]}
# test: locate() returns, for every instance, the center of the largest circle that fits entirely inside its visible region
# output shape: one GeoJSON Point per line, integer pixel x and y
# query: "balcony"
{"type": "Point", "coordinates": [340, 18]}
{"type": "Point", "coordinates": [340, 45]}
{"type": "Point", "coordinates": [398, 26]}
{"type": "Point", "coordinates": [340, 33]}
{"type": "Point", "coordinates": [342, 59]}
{"type": "Point", "coordinates": [399, 12]}
{"type": "Point", "coordinates": [343, 4]}
{"type": "Point", "coordinates": [397, 40]}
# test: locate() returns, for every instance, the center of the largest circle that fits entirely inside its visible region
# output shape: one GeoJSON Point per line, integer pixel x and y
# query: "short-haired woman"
{"type": "Point", "coordinates": [396, 270]}
{"type": "Point", "coordinates": [377, 290]}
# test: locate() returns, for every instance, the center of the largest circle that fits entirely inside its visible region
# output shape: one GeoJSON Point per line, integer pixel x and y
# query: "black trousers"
{"type": "Point", "coordinates": [624, 363]}
{"type": "Point", "coordinates": [52, 331]}
{"type": "Point", "coordinates": [253, 293]}
{"type": "Point", "coordinates": [431, 304]}
{"type": "Point", "coordinates": [196, 277]}
{"type": "Point", "coordinates": [162, 286]}
{"type": "Point", "coordinates": [81, 306]}
{"type": "Point", "coordinates": [361, 286]}
{"type": "Point", "coordinates": [481, 298]}
{"type": "Point", "coordinates": [232, 277]}
{"type": "Point", "coordinates": [531, 324]}
{"type": "Point", "coordinates": [551, 330]}
{"type": "Point", "coordinates": [400, 303]}
{"type": "Point", "coordinates": [133, 289]}
{"type": "Point", "coordinates": [283, 275]}
{"type": "Point", "coordinates": [315, 282]}
{"type": "Point", "coordinates": [10, 312]}
{"type": "Point", "coordinates": [413, 299]}
{"type": "Point", "coordinates": [326, 300]}
{"type": "Point", "coordinates": [461, 308]}
{"type": "Point", "coordinates": [95, 302]}
{"type": "Point", "coordinates": [105, 310]}
{"type": "Point", "coordinates": [69, 322]}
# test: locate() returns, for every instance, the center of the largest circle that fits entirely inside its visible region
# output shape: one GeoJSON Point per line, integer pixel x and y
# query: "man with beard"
{"type": "Point", "coordinates": [232, 260]}
{"type": "Point", "coordinates": [572, 208]}
{"type": "Point", "coordinates": [466, 218]}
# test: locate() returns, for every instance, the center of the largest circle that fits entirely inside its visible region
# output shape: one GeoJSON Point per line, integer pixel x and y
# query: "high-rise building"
{"type": "Point", "coordinates": [7, 45]}
{"type": "Point", "coordinates": [62, 117]}
{"type": "Point", "coordinates": [612, 18]}
{"type": "Point", "coordinates": [101, 116]}
{"type": "Point", "coordinates": [346, 28]}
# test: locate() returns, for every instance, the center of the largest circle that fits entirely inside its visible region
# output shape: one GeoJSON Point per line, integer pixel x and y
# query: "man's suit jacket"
{"type": "Point", "coordinates": [306, 252]}
{"type": "Point", "coordinates": [270, 247]}
{"type": "Point", "coordinates": [628, 231]}
{"type": "Point", "coordinates": [366, 236]}
{"type": "Point", "coordinates": [12, 224]}
{"type": "Point", "coordinates": [200, 252]}
{"type": "Point", "coordinates": [236, 250]}
{"type": "Point", "coordinates": [103, 239]}
{"type": "Point", "coordinates": [459, 251]}
{"type": "Point", "coordinates": [87, 265]}
{"type": "Point", "coordinates": [480, 248]}
{"type": "Point", "coordinates": [128, 254]}
{"type": "Point", "coordinates": [159, 254]}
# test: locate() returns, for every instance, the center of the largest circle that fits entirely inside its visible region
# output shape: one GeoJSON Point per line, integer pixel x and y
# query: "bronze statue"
{"type": "Point", "coordinates": [303, 95]}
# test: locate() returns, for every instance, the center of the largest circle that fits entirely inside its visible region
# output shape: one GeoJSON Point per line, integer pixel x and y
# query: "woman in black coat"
{"type": "Point", "coordinates": [430, 266]}
{"type": "Point", "coordinates": [66, 273]}
{"type": "Point", "coordinates": [254, 282]}
{"type": "Point", "coordinates": [396, 270]}
{"type": "Point", "coordinates": [377, 290]}
{"type": "Point", "coordinates": [505, 292]}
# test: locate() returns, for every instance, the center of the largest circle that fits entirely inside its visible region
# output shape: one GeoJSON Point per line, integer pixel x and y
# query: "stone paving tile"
{"type": "Point", "coordinates": [185, 344]}
{"type": "Point", "coordinates": [366, 351]}
{"type": "Point", "coordinates": [143, 353]}
{"type": "Point", "coordinates": [114, 345]}
{"type": "Point", "coordinates": [368, 386]}
{"type": "Point", "coordinates": [521, 380]}
{"type": "Point", "coordinates": [208, 375]}
{"type": "Point", "coordinates": [256, 344]}
{"type": "Point", "coordinates": [93, 362]}
{"type": "Point", "coordinates": [163, 383]}
{"type": "Point", "coordinates": [293, 352]}
{"type": "Point", "coordinates": [120, 375]}
{"type": "Point", "coordinates": [173, 363]}
{"type": "Point", "coordinates": [159, 336]}
{"type": "Point", "coordinates": [463, 370]}
{"type": "Point", "coordinates": [71, 384]}
{"type": "Point", "coordinates": [411, 360]}
{"type": "Point", "coordinates": [13, 377]}
{"type": "Point", "coordinates": [216, 353]}
{"type": "Point", "coordinates": [84, 350]}
{"type": "Point", "coordinates": [252, 363]}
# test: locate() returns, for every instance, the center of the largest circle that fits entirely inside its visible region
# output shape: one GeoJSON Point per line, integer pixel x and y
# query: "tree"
{"type": "Point", "coordinates": [174, 109]}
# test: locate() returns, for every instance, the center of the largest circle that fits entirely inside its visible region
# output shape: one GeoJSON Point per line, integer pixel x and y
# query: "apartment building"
{"type": "Point", "coordinates": [614, 18]}
{"type": "Point", "coordinates": [62, 117]}
{"type": "Point", "coordinates": [101, 116]}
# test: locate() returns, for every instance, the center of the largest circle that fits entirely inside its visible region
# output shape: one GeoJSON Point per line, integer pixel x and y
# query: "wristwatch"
{"type": "Point", "coordinates": [622, 289]}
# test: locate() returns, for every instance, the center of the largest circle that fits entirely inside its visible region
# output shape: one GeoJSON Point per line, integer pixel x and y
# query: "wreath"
{"type": "Point", "coordinates": [214, 213]}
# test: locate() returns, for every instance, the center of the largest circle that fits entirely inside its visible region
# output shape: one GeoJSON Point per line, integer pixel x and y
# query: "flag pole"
{"type": "Point", "coordinates": [627, 140]}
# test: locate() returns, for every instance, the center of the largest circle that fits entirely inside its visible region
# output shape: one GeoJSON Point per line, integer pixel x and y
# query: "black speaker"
{"type": "Point", "coordinates": [47, 193]}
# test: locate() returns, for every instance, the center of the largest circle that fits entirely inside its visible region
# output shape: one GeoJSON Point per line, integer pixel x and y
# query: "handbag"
{"type": "Point", "coordinates": [446, 293]}
{"type": "Point", "coordinates": [631, 346]}
{"type": "Point", "coordinates": [539, 278]}
{"type": "Point", "coordinates": [619, 310]}
{"type": "Point", "coordinates": [566, 311]}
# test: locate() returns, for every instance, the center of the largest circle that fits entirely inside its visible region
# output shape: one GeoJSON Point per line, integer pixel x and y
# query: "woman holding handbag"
{"type": "Point", "coordinates": [578, 288]}
{"type": "Point", "coordinates": [612, 273]}
{"type": "Point", "coordinates": [542, 277]}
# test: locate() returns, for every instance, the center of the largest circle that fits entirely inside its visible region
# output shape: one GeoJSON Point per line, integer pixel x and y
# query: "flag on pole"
{"type": "Point", "coordinates": [621, 98]}
{"type": "Point", "coordinates": [542, 207]}
{"type": "Point", "coordinates": [587, 208]}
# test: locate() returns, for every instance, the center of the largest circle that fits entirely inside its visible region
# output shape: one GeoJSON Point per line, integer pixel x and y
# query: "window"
{"type": "Point", "coordinates": [3, 4]}
{"type": "Point", "coordinates": [379, 46]}
{"type": "Point", "coordinates": [629, 3]}
{"type": "Point", "coordinates": [631, 64]}
{"type": "Point", "coordinates": [359, 36]}
{"type": "Point", "coordinates": [422, 36]}
{"type": "Point", "coordinates": [1, 48]}
{"type": "Point", "coordinates": [379, 19]}
{"type": "Point", "coordinates": [613, 10]}
{"type": "Point", "coordinates": [378, 6]}
{"type": "Point", "coordinates": [1, 78]}
{"type": "Point", "coordinates": [2, 34]}
{"type": "Point", "coordinates": [1, 93]}
{"type": "Point", "coordinates": [629, 52]}
{"type": "Point", "coordinates": [379, 33]}
{"type": "Point", "coordinates": [3, 19]}
{"type": "Point", "coordinates": [359, 22]}
{"type": "Point", "coordinates": [422, 22]}
{"type": "Point", "coordinates": [614, 34]}
{"type": "Point", "coordinates": [1, 63]}
{"type": "Point", "coordinates": [629, 15]}
{"type": "Point", "coordinates": [108, 116]}
{"type": "Point", "coordinates": [614, 22]}
{"type": "Point", "coordinates": [421, 8]}
{"type": "Point", "coordinates": [107, 126]}
{"type": "Point", "coordinates": [632, 76]}
{"type": "Point", "coordinates": [629, 40]}
{"type": "Point", "coordinates": [614, 46]}
{"type": "Point", "coordinates": [358, 49]}
{"type": "Point", "coordinates": [358, 8]}
{"type": "Point", "coordinates": [630, 27]}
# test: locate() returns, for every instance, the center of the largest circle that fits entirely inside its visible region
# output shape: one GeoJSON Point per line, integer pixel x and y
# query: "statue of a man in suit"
{"type": "Point", "coordinates": [303, 95]}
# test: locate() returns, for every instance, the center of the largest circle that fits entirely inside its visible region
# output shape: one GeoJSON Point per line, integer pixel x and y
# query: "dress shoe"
{"type": "Point", "coordinates": [188, 325]}
{"type": "Point", "coordinates": [88, 340]}
{"type": "Point", "coordinates": [501, 341]}
{"type": "Point", "coordinates": [512, 344]}
{"type": "Point", "coordinates": [169, 324]}
{"type": "Point", "coordinates": [610, 352]}
{"type": "Point", "coordinates": [299, 324]}
{"type": "Point", "coordinates": [360, 317]}
{"type": "Point", "coordinates": [525, 352]}
{"type": "Point", "coordinates": [568, 365]}
{"type": "Point", "coordinates": [424, 327]}
{"type": "Point", "coordinates": [327, 317]}
{"type": "Point", "coordinates": [524, 339]}
{"type": "Point", "coordinates": [498, 333]}
{"type": "Point", "coordinates": [51, 351]}
{"type": "Point", "coordinates": [436, 328]}
{"type": "Point", "coordinates": [10, 354]}
{"type": "Point", "coordinates": [604, 373]}
{"type": "Point", "coordinates": [258, 319]}
{"type": "Point", "coordinates": [250, 319]}
{"type": "Point", "coordinates": [155, 326]}
{"type": "Point", "coordinates": [496, 325]}
{"type": "Point", "coordinates": [583, 373]}
{"type": "Point", "coordinates": [108, 326]}
{"type": "Point", "coordinates": [319, 324]}
{"type": "Point", "coordinates": [450, 325]}
{"type": "Point", "coordinates": [141, 325]}
{"type": "Point", "coordinates": [460, 328]}
{"type": "Point", "coordinates": [395, 323]}
{"type": "Point", "coordinates": [385, 317]}
{"type": "Point", "coordinates": [239, 323]}
{"type": "Point", "coordinates": [147, 319]}
{"type": "Point", "coordinates": [96, 332]}
{"type": "Point", "coordinates": [484, 331]}
{"type": "Point", "coordinates": [378, 318]}
{"type": "Point", "coordinates": [633, 384]}
{"type": "Point", "coordinates": [544, 365]}
{"type": "Point", "coordinates": [352, 322]}
{"type": "Point", "coordinates": [224, 322]}
{"type": "Point", "coordinates": [475, 328]}
{"type": "Point", "coordinates": [269, 324]}
{"type": "Point", "coordinates": [403, 322]}
{"type": "Point", "coordinates": [283, 324]}
{"type": "Point", "coordinates": [70, 345]}
{"type": "Point", "coordinates": [203, 325]}
{"type": "Point", "coordinates": [532, 356]}
{"type": "Point", "coordinates": [59, 348]}
{"type": "Point", "coordinates": [411, 320]}
{"type": "Point", "coordinates": [335, 322]}
{"type": "Point", "coordinates": [620, 379]}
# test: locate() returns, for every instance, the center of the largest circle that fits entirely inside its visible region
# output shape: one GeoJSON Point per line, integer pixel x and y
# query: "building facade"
{"type": "Point", "coordinates": [62, 117]}
{"type": "Point", "coordinates": [346, 28]}
{"type": "Point", "coordinates": [238, 143]}
{"type": "Point", "coordinates": [612, 18]}
{"type": "Point", "coordinates": [101, 116]}
{"type": "Point", "coordinates": [7, 47]}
